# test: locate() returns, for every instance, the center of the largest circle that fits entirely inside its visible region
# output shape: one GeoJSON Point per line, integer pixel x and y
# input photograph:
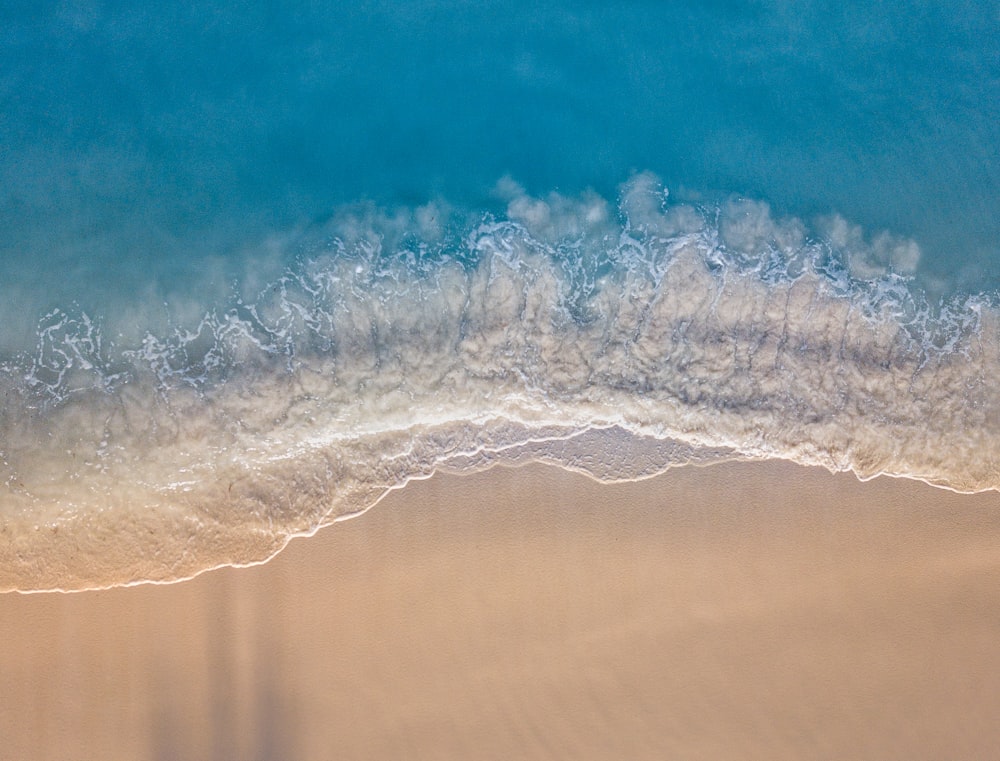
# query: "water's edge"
{"type": "Point", "coordinates": [615, 339]}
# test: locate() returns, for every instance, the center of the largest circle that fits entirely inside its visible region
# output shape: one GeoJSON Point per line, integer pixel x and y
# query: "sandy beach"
{"type": "Point", "coordinates": [754, 610]}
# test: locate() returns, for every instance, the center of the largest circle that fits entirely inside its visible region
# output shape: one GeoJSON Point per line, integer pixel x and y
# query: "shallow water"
{"type": "Point", "coordinates": [259, 265]}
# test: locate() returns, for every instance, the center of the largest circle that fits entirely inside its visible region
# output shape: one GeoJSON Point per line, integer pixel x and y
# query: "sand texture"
{"type": "Point", "coordinates": [736, 611]}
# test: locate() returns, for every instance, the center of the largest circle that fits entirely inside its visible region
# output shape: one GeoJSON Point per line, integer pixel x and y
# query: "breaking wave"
{"type": "Point", "coordinates": [618, 339]}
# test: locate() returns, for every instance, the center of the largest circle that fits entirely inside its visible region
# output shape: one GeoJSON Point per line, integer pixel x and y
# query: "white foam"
{"type": "Point", "coordinates": [413, 340]}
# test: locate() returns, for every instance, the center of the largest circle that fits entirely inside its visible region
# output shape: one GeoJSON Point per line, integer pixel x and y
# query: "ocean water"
{"type": "Point", "coordinates": [260, 263]}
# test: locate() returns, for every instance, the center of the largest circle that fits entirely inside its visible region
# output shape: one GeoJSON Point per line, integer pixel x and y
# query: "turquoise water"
{"type": "Point", "coordinates": [249, 250]}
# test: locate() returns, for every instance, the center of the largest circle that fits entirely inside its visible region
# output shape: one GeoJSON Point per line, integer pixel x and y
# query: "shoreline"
{"type": "Point", "coordinates": [761, 608]}
{"type": "Point", "coordinates": [447, 471]}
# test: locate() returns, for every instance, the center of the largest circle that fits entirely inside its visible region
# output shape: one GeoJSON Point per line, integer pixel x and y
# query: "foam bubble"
{"type": "Point", "coordinates": [619, 340]}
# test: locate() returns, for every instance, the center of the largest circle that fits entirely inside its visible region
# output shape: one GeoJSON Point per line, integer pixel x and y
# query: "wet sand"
{"type": "Point", "coordinates": [737, 611]}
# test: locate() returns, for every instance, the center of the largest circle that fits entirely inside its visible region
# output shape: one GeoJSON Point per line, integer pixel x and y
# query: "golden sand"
{"type": "Point", "coordinates": [737, 611]}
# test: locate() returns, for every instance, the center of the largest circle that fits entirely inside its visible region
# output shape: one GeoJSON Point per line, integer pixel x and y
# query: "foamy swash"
{"type": "Point", "coordinates": [616, 341]}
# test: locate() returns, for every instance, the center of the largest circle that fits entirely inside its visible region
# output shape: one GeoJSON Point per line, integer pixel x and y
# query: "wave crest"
{"type": "Point", "coordinates": [615, 339]}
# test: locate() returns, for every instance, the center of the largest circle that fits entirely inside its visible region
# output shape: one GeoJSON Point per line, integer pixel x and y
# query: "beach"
{"type": "Point", "coordinates": [437, 380]}
{"type": "Point", "coordinates": [740, 610]}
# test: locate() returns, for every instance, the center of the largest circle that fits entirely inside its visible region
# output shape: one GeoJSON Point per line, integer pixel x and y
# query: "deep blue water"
{"type": "Point", "coordinates": [136, 140]}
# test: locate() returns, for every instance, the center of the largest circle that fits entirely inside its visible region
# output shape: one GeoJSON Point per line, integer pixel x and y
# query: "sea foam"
{"type": "Point", "coordinates": [619, 339]}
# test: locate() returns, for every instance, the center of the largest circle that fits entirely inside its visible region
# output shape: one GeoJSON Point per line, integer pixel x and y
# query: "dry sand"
{"type": "Point", "coordinates": [739, 611]}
